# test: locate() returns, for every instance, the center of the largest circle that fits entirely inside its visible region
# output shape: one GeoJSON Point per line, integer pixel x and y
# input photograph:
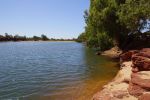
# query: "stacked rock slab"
{"type": "Point", "coordinates": [132, 81]}
{"type": "Point", "coordinates": [141, 60]}
{"type": "Point", "coordinates": [140, 78]}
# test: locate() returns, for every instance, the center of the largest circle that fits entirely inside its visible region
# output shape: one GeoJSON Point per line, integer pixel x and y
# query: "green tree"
{"type": "Point", "coordinates": [81, 38]}
{"type": "Point", "coordinates": [36, 38]}
{"type": "Point", "coordinates": [102, 19]}
{"type": "Point", "coordinates": [110, 21]}
{"type": "Point", "coordinates": [134, 14]}
{"type": "Point", "coordinates": [44, 37]}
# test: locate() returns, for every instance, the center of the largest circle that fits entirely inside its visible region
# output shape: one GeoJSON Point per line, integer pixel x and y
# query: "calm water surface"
{"type": "Point", "coordinates": [51, 71]}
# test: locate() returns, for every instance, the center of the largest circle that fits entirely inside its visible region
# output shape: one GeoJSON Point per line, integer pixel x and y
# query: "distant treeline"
{"type": "Point", "coordinates": [8, 37]}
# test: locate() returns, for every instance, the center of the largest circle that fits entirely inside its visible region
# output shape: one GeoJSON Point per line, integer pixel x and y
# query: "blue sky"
{"type": "Point", "coordinates": [55, 18]}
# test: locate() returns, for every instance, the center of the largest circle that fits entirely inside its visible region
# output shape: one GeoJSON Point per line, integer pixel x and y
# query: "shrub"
{"type": "Point", "coordinates": [105, 42]}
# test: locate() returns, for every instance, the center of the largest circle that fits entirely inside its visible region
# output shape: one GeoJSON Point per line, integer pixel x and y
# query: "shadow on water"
{"type": "Point", "coordinates": [100, 70]}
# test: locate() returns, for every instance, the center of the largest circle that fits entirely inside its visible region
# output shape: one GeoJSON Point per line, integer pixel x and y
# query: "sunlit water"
{"type": "Point", "coordinates": [51, 71]}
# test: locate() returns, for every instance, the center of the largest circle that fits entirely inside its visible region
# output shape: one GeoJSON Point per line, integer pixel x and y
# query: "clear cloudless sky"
{"type": "Point", "coordinates": [54, 18]}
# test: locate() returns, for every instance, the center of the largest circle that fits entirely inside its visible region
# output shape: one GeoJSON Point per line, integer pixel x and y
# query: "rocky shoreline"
{"type": "Point", "coordinates": [133, 79]}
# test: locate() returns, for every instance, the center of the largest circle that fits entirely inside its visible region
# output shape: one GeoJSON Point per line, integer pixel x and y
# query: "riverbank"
{"type": "Point", "coordinates": [114, 52]}
{"type": "Point", "coordinates": [132, 82]}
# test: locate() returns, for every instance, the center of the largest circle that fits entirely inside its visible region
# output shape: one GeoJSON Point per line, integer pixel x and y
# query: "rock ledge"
{"type": "Point", "coordinates": [133, 79]}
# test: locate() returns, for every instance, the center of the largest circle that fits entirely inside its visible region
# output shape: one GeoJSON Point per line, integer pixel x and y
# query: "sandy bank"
{"type": "Point", "coordinates": [117, 89]}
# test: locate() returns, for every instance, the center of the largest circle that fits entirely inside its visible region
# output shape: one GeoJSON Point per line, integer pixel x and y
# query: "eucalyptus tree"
{"type": "Point", "coordinates": [110, 21]}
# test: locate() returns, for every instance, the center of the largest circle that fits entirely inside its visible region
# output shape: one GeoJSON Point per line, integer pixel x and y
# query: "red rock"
{"type": "Point", "coordinates": [141, 60]}
{"type": "Point", "coordinates": [127, 56]}
{"type": "Point", "coordinates": [102, 96]}
{"type": "Point", "coordinates": [145, 49]}
{"type": "Point", "coordinates": [144, 52]}
{"type": "Point", "coordinates": [135, 90]}
{"type": "Point", "coordinates": [135, 69]}
{"type": "Point", "coordinates": [143, 63]}
{"type": "Point", "coordinates": [142, 79]}
{"type": "Point", "coordinates": [120, 94]}
{"type": "Point", "coordinates": [145, 96]}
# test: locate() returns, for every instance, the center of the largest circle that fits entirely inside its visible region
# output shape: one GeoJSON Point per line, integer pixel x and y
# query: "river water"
{"type": "Point", "coordinates": [52, 71]}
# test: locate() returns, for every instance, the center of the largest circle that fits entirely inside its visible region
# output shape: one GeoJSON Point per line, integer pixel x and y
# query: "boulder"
{"type": "Point", "coordinates": [140, 83]}
{"type": "Point", "coordinates": [114, 53]}
{"type": "Point", "coordinates": [127, 56]}
{"type": "Point", "coordinates": [102, 96]}
{"type": "Point", "coordinates": [144, 54]}
{"type": "Point", "coordinates": [146, 50]}
{"type": "Point", "coordinates": [135, 90]}
{"type": "Point", "coordinates": [142, 79]}
{"type": "Point", "coordinates": [135, 69]}
{"type": "Point", "coordinates": [132, 81]}
{"type": "Point", "coordinates": [141, 62]}
{"type": "Point", "coordinates": [145, 96]}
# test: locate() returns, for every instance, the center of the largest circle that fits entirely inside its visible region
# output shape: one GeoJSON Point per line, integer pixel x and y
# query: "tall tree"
{"type": "Point", "coordinates": [112, 20]}
{"type": "Point", "coordinates": [134, 14]}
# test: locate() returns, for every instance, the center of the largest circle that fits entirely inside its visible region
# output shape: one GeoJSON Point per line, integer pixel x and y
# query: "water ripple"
{"type": "Point", "coordinates": [39, 70]}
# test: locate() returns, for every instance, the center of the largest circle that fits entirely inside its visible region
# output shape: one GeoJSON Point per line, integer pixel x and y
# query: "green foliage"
{"type": "Point", "coordinates": [81, 37]}
{"type": "Point", "coordinates": [104, 41]}
{"type": "Point", "coordinates": [92, 42]}
{"type": "Point", "coordinates": [44, 37]}
{"type": "Point", "coordinates": [112, 20]}
{"type": "Point", "coordinates": [36, 38]}
{"type": "Point", "coordinates": [101, 41]}
{"type": "Point", "coordinates": [132, 12]}
{"type": "Point", "coordinates": [101, 23]}
{"type": "Point", "coordinates": [8, 37]}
